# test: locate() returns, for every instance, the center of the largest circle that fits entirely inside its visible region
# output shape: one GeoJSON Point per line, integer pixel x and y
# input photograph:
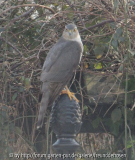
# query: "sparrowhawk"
{"type": "Point", "coordinates": [59, 66]}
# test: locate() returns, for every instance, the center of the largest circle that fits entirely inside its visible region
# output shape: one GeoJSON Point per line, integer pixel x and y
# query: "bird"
{"type": "Point", "coordinates": [60, 64]}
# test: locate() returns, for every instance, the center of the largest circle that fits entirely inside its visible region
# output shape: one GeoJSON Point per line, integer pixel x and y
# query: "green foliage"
{"type": "Point", "coordinates": [115, 5]}
{"type": "Point", "coordinates": [117, 38]}
{"type": "Point", "coordinates": [116, 115]}
{"type": "Point", "coordinates": [130, 144]}
{"type": "Point", "coordinates": [85, 49]}
{"type": "Point", "coordinates": [85, 108]}
{"type": "Point", "coordinates": [131, 84]}
{"type": "Point", "coordinates": [14, 96]}
{"type": "Point", "coordinates": [132, 3]}
{"type": "Point", "coordinates": [96, 122]}
{"type": "Point", "coordinates": [113, 127]}
{"type": "Point", "coordinates": [98, 66]}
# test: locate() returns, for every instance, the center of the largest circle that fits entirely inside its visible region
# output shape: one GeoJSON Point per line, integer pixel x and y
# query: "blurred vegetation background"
{"type": "Point", "coordinates": [28, 29]}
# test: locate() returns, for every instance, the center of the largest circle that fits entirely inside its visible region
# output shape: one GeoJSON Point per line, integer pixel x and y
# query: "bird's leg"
{"type": "Point", "coordinates": [70, 94]}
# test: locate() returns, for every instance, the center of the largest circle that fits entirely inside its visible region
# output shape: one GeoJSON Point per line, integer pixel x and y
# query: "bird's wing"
{"type": "Point", "coordinates": [61, 61]}
{"type": "Point", "coordinates": [58, 68]}
{"type": "Point", "coordinates": [53, 55]}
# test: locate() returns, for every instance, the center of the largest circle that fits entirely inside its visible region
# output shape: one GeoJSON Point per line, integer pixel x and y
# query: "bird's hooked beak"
{"type": "Point", "coordinates": [69, 32]}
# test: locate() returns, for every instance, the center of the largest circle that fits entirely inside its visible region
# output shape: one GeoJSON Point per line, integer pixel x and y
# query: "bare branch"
{"type": "Point", "coordinates": [19, 17]}
{"type": "Point", "coordinates": [28, 5]}
{"type": "Point", "coordinates": [11, 46]}
{"type": "Point", "coordinates": [100, 24]}
{"type": "Point", "coordinates": [72, 6]}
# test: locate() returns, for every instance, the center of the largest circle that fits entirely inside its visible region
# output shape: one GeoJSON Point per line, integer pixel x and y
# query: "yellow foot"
{"type": "Point", "coordinates": [70, 94]}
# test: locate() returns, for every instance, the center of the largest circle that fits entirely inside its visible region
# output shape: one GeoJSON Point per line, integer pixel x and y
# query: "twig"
{"type": "Point", "coordinates": [72, 6]}
{"type": "Point", "coordinates": [97, 25]}
{"type": "Point", "coordinates": [28, 5]}
{"type": "Point", "coordinates": [81, 88]}
{"type": "Point", "coordinates": [100, 24]}
{"type": "Point", "coordinates": [3, 2]}
{"type": "Point", "coordinates": [11, 46]}
{"type": "Point", "coordinates": [81, 20]}
{"type": "Point", "coordinates": [19, 17]}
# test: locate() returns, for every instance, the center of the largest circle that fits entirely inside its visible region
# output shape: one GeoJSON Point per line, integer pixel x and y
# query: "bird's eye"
{"type": "Point", "coordinates": [66, 29]}
{"type": "Point", "coordinates": [74, 30]}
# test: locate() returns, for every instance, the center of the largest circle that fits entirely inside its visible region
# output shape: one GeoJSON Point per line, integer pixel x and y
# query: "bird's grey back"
{"type": "Point", "coordinates": [68, 60]}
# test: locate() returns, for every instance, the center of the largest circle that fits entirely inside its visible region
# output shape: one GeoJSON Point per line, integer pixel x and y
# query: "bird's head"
{"type": "Point", "coordinates": [70, 32]}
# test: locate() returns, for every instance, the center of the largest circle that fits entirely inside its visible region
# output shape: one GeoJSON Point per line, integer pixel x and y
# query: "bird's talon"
{"type": "Point", "coordinates": [70, 94]}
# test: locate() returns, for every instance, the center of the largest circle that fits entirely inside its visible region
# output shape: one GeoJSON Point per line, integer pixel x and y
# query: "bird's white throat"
{"type": "Point", "coordinates": [78, 38]}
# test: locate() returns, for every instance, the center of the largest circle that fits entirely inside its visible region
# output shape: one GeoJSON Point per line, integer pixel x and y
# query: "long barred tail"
{"type": "Point", "coordinates": [43, 105]}
{"type": "Point", "coordinates": [50, 91]}
{"type": "Point", "coordinates": [55, 89]}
